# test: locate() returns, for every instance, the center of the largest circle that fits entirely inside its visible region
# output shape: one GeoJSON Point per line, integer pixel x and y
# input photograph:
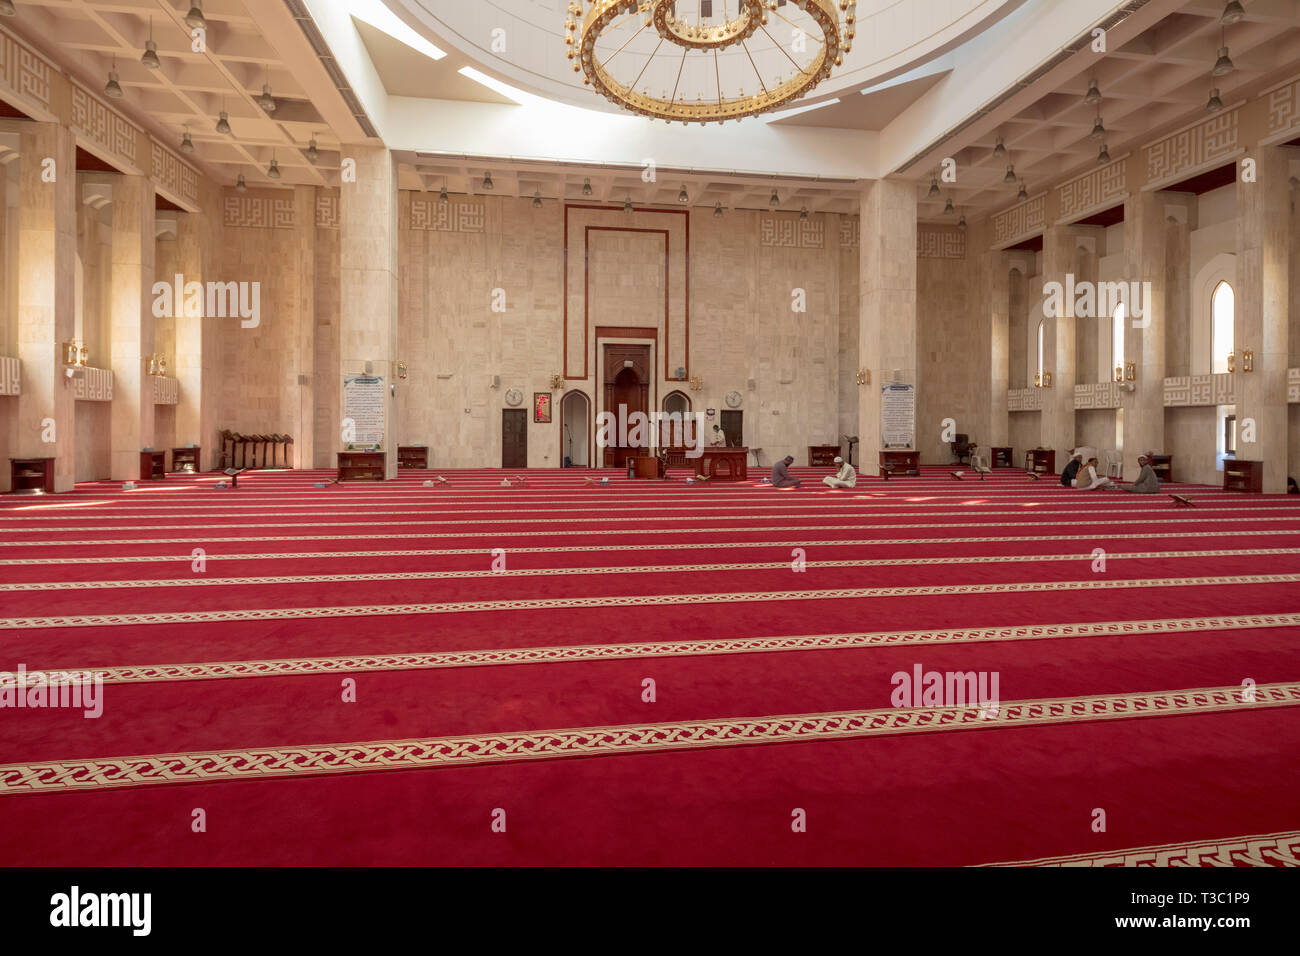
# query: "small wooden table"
{"type": "Point", "coordinates": [1242, 475]}
{"type": "Point", "coordinates": [362, 465]}
{"type": "Point", "coordinates": [1001, 457]}
{"type": "Point", "coordinates": [1163, 466]}
{"type": "Point", "coordinates": [900, 463]}
{"type": "Point", "coordinates": [31, 475]}
{"type": "Point", "coordinates": [1041, 461]}
{"type": "Point", "coordinates": [186, 459]}
{"type": "Point", "coordinates": [153, 465]}
{"type": "Point", "coordinates": [822, 454]}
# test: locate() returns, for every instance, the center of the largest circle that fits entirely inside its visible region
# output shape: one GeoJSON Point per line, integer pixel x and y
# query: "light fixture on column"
{"type": "Point", "coordinates": [240, 185]}
{"type": "Point", "coordinates": [1232, 361]}
{"type": "Point", "coordinates": [313, 154]}
{"type": "Point", "coordinates": [683, 197]}
{"type": "Point", "coordinates": [586, 187]}
{"type": "Point", "coordinates": [1119, 374]}
{"type": "Point", "coordinates": [864, 377]}
{"type": "Point", "coordinates": [1214, 104]}
{"type": "Point", "coordinates": [1103, 157]}
{"type": "Point", "coordinates": [627, 204]}
{"type": "Point", "coordinates": [488, 185]}
{"type": "Point", "coordinates": [1248, 360]}
{"type": "Point", "coordinates": [999, 151]}
{"type": "Point", "coordinates": [1024, 193]}
{"type": "Point", "coordinates": [187, 144]}
{"type": "Point", "coordinates": [557, 382]}
{"type": "Point", "coordinates": [1232, 13]}
{"type": "Point", "coordinates": [1130, 371]}
{"type": "Point", "coordinates": [442, 195]}
{"type": "Point", "coordinates": [1010, 178]}
{"type": "Point", "coordinates": [717, 210]}
{"type": "Point", "coordinates": [1093, 96]}
{"type": "Point", "coordinates": [274, 170]}
{"type": "Point", "coordinates": [537, 199]}
{"type": "Point", "coordinates": [948, 209]}
{"type": "Point", "coordinates": [266, 100]}
{"type": "Point", "coordinates": [7, 8]}
{"type": "Point", "coordinates": [195, 19]}
{"type": "Point", "coordinates": [1223, 65]}
{"type": "Point", "coordinates": [112, 88]}
{"type": "Point", "coordinates": [1098, 129]}
{"type": "Point", "coordinates": [149, 60]}
{"type": "Point", "coordinates": [774, 201]}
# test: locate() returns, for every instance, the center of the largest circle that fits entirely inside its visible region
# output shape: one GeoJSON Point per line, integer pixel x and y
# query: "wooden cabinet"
{"type": "Point", "coordinates": [1239, 475]}
{"type": "Point", "coordinates": [153, 465]}
{"type": "Point", "coordinates": [900, 463]}
{"type": "Point", "coordinates": [645, 466]}
{"type": "Point", "coordinates": [1001, 457]}
{"type": "Point", "coordinates": [27, 475]}
{"type": "Point", "coordinates": [822, 454]}
{"type": "Point", "coordinates": [1041, 461]}
{"type": "Point", "coordinates": [362, 465]}
{"type": "Point", "coordinates": [1163, 466]}
{"type": "Point", "coordinates": [412, 456]}
{"type": "Point", "coordinates": [185, 459]}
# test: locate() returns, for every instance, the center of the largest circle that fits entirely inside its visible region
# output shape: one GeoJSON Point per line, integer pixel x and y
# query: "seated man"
{"type": "Point", "coordinates": [781, 474]}
{"type": "Point", "coordinates": [1089, 480]}
{"type": "Point", "coordinates": [1147, 483]}
{"type": "Point", "coordinates": [1071, 471]}
{"type": "Point", "coordinates": [846, 477]}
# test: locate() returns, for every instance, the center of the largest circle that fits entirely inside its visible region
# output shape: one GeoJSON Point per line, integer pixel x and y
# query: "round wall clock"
{"type": "Point", "coordinates": [514, 396]}
{"type": "Point", "coordinates": [734, 399]}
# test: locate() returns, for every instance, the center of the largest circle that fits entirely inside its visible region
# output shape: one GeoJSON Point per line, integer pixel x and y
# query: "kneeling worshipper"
{"type": "Point", "coordinates": [846, 477]}
{"type": "Point", "coordinates": [781, 477]}
{"type": "Point", "coordinates": [1071, 470]}
{"type": "Point", "coordinates": [1089, 480]}
{"type": "Point", "coordinates": [1147, 483]}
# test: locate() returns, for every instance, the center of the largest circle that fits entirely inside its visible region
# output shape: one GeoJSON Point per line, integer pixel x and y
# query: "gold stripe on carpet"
{"type": "Point", "coordinates": [96, 773]}
{"type": "Point", "coordinates": [1261, 849]}
{"type": "Point", "coordinates": [628, 600]}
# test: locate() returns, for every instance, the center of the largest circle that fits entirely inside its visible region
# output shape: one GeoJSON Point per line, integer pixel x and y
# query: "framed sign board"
{"type": "Point", "coordinates": [541, 407]}
{"type": "Point", "coordinates": [897, 416]}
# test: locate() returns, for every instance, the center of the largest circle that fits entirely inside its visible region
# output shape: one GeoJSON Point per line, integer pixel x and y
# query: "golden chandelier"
{"type": "Point", "coordinates": [616, 22]}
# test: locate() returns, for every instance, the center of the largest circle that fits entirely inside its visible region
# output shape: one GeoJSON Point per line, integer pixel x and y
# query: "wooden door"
{"type": "Point", "coordinates": [733, 423]}
{"type": "Point", "coordinates": [514, 438]}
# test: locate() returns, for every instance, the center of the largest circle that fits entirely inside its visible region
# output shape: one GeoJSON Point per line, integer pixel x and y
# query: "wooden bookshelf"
{"type": "Point", "coordinates": [185, 459]}
{"type": "Point", "coordinates": [1240, 475]}
{"type": "Point", "coordinates": [1041, 461]}
{"type": "Point", "coordinates": [362, 465]}
{"type": "Point", "coordinates": [412, 456]}
{"type": "Point", "coordinates": [900, 463]}
{"type": "Point", "coordinates": [27, 475]}
{"type": "Point", "coordinates": [1163, 466]}
{"type": "Point", "coordinates": [153, 465]}
{"type": "Point", "coordinates": [819, 455]}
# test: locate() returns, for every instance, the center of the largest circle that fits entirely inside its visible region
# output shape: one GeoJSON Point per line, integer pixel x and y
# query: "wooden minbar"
{"type": "Point", "coordinates": [27, 475]}
{"type": "Point", "coordinates": [822, 454]}
{"type": "Point", "coordinates": [362, 465]}
{"type": "Point", "coordinates": [1241, 475]}
{"type": "Point", "coordinates": [900, 463]}
{"type": "Point", "coordinates": [412, 456]}
{"type": "Point", "coordinates": [153, 465]}
{"type": "Point", "coordinates": [186, 459]}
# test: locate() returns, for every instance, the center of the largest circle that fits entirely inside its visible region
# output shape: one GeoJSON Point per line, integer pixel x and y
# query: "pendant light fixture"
{"type": "Point", "coordinates": [586, 187]}
{"type": "Point", "coordinates": [947, 207]}
{"type": "Point", "coordinates": [195, 19]}
{"type": "Point", "coordinates": [683, 197]}
{"type": "Point", "coordinates": [961, 223]}
{"type": "Point", "coordinates": [1215, 104]}
{"type": "Point", "coordinates": [150, 58]}
{"type": "Point", "coordinates": [187, 144]}
{"type": "Point", "coordinates": [1023, 194]}
{"type": "Point", "coordinates": [442, 195]}
{"type": "Point", "coordinates": [223, 124]}
{"type": "Point", "coordinates": [266, 100]}
{"type": "Point", "coordinates": [537, 199]}
{"type": "Point", "coordinates": [1010, 178]}
{"type": "Point", "coordinates": [113, 89]}
{"type": "Point", "coordinates": [240, 185]}
{"type": "Point", "coordinates": [717, 210]}
{"type": "Point", "coordinates": [1223, 65]}
{"type": "Point", "coordinates": [1093, 96]}
{"type": "Point", "coordinates": [1103, 157]}
{"type": "Point", "coordinates": [274, 170]}
{"type": "Point", "coordinates": [1232, 13]}
{"type": "Point", "coordinates": [1098, 129]}
{"type": "Point", "coordinates": [487, 181]}
{"type": "Point", "coordinates": [627, 203]}
{"type": "Point", "coordinates": [775, 201]}
{"type": "Point", "coordinates": [934, 188]}
{"type": "Point", "coordinates": [313, 154]}
{"type": "Point", "coordinates": [803, 214]}
{"type": "Point", "coordinates": [999, 151]}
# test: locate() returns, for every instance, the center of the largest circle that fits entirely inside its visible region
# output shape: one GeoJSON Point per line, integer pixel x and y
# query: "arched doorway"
{"type": "Point", "coordinates": [677, 428]}
{"type": "Point", "coordinates": [575, 430]}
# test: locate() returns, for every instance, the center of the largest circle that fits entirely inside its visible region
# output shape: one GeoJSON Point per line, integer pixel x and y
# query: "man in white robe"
{"type": "Point", "coordinates": [846, 477]}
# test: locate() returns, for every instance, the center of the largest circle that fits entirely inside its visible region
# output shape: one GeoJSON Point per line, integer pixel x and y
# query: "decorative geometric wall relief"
{"type": "Point", "coordinates": [458, 215]}
{"type": "Point", "coordinates": [24, 71]}
{"type": "Point", "coordinates": [258, 212]}
{"type": "Point", "coordinates": [166, 391]}
{"type": "Point", "coordinates": [1025, 400]}
{"type": "Point", "coordinates": [1189, 391]}
{"type": "Point", "coordinates": [1293, 385]}
{"type": "Point", "coordinates": [850, 231]}
{"type": "Point", "coordinates": [1094, 188]}
{"type": "Point", "coordinates": [1284, 107]}
{"type": "Point", "coordinates": [791, 232]}
{"type": "Point", "coordinates": [93, 385]}
{"type": "Point", "coordinates": [11, 375]}
{"type": "Point", "coordinates": [106, 128]}
{"type": "Point", "coordinates": [1208, 140]}
{"type": "Point", "coordinates": [327, 211]}
{"type": "Point", "coordinates": [1097, 395]}
{"type": "Point", "coordinates": [933, 243]}
{"type": "Point", "coordinates": [173, 173]}
{"type": "Point", "coordinates": [1019, 220]}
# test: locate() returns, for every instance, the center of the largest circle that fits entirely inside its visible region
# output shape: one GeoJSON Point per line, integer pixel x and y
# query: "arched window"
{"type": "Point", "coordinates": [1038, 377]}
{"type": "Point", "coordinates": [1223, 314]}
{"type": "Point", "coordinates": [1117, 336]}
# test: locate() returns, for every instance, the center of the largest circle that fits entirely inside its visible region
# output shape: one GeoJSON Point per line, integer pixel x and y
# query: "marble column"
{"type": "Point", "coordinates": [368, 281]}
{"type": "Point", "coordinates": [47, 251]}
{"type": "Point", "coordinates": [299, 384]}
{"type": "Point", "coordinates": [1060, 261]}
{"type": "Point", "coordinates": [132, 323]}
{"type": "Point", "coordinates": [996, 268]}
{"type": "Point", "coordinates": [196, 344]}
{"type": "Point", "coordinates": [887, 304]}
{"type": "Point", "coordinates": [1262, 301]}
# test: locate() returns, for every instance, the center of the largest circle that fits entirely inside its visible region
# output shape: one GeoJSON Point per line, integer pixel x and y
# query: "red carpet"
{"type": "Point", "coordinates": [224, 624]}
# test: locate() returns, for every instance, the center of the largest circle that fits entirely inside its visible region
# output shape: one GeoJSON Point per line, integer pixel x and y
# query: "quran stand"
{"type": "Point", "coordinates": [234, 474]}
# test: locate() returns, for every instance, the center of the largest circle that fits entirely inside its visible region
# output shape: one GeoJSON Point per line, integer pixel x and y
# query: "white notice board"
{"type": "Point", "coordinates": [363, 410]}
{"type": "Point", "coordinates": [897, 416]}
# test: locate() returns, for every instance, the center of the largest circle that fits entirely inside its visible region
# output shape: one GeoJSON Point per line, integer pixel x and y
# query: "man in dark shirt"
{"type": "Point", "coordinates": [781, 477]}
{"type": "Point", "coordinates": [1071, 470]}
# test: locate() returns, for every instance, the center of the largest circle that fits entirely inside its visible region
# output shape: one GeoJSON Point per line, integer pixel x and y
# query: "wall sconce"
{"type": "Point", "coordinates": [75, 354]}
{"type": "Point", "coordinates": [401, 370]}
{"type": "Point", "coordinates": [697, 383]}
{"type": "Point", "coordinates": [864, 377]}
{"type": "Point", "coordinates": [1232, 361]}
{"type": "Point", "coordinates": [1038, 380]}
{"type": "Point", "coordinates": [158, 365]}
{"type": "Point", "coordinates": [1119, 373]}
{"type": "Point", "coordinates": [1047, 380]}
{"type": "Point", "coordinates": [557, 382]}
{"type": "Point", "coordinates": [1130, 371]}
{"type": "Point", "coordinates": [1248, 360]}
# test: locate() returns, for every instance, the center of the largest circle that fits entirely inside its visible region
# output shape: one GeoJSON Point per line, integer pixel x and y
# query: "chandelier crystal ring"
{"type": "Point", "coordinates": [618, 36]}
